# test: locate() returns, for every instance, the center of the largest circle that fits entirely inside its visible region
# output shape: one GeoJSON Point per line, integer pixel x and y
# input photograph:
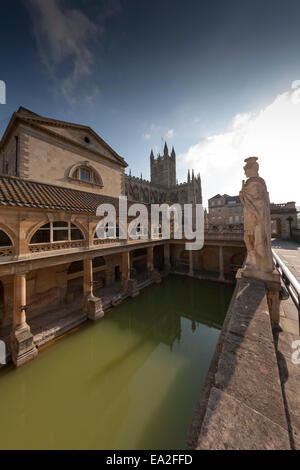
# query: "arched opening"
{"type": "Point", "coordinates": [6, 245]}
{"type": "Point", "coordinates": [56, 232]}
{"type": "Point", "coordinates": [4, 239]}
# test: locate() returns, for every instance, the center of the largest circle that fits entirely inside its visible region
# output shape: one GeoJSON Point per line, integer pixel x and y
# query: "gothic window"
{"type": "Point", "coordinates": [57, 232]}
{"type": "Point", "coordinates": [4, 239]}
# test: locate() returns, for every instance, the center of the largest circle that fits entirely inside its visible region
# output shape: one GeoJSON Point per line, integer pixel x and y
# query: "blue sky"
{"type": "Point", "coordinates": [202, 74]}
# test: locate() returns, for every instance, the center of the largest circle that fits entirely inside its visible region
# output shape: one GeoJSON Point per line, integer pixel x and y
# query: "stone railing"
{"type": "Point", "coordinates": [105, 241]}
{"type": "Point", "coordinates": [6, 251]}
{"type": "Point", "coordinates": [283, 205]}
{"type": "Point", "coordinates": [43, 247]}
{"type": "Point", "coordinates": [225, 235]}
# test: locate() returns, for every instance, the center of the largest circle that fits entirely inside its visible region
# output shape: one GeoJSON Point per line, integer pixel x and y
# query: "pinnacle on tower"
{"type": "Point", "coordinates": [166, 150]}
{"type": "Point", "coordinates": [193, 175]}
{"type": "Point", "coordinates": [152, 154]}
{"type": "Point", "coordinates": [173, 154]}
{"type": "Point", "coordinates": [188, 176]}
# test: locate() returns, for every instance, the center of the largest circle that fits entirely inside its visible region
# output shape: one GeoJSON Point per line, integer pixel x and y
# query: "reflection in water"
{"type": "Point", "coordinates": [129, 381]}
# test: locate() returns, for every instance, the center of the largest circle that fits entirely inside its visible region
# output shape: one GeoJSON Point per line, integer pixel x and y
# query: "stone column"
{"type": "Point", "coordinates": [221, 264]}
{"type": "Point", "coordinates": [191, 266]}
{"type": "Point", "coordinates": [150, 259]}
{"type": "Point", "coordinates": [87, 277]}
{"type": "Point", "coordinates": [125, 268]}
{"type": "Point", "coordinates": [167, 257]}
{"type": "Point", "coordinates": [23, 348]}
{"type": "Point", "coordinates": [92, 306]}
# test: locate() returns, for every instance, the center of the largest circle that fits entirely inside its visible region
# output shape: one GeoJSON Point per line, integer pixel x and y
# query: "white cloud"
{"type": "Point", "coordinates": [272, 134]}
{"type": "Point", "coordinates": [146, 136]}
{"type": "Point", "coordinates": [64, 36]}
{"type": "Point", "coordinates": [170, 134]}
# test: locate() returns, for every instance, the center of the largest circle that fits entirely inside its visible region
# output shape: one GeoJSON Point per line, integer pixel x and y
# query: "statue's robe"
{"type": "Point", "coordinates": [257, 221]}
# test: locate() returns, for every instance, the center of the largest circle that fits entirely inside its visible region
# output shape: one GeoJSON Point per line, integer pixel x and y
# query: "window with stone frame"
{"type": "Point", "coordinates": [86, 174]}
{"type": "Point", "coordinates": [57, 232]}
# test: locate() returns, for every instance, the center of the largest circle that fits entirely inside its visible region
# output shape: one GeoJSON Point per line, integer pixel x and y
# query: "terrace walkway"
{"type": "Point", "coordinates": [285, 339]}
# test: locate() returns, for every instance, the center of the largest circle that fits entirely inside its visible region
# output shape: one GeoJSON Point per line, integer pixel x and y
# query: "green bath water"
{"type": "Point", "coordinates": [128, 381]}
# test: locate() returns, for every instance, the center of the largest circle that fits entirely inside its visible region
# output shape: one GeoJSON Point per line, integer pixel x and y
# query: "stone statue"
{"type": "Point", "coordinates": [257, 221]}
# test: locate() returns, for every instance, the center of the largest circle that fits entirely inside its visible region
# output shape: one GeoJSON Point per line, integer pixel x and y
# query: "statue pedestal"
{"type": "Point", "coordinates": [272, 287]}
{"type": "Point", "coordinates": [261, 275]}
{"type": "Point", "coordinates": [22, 345]}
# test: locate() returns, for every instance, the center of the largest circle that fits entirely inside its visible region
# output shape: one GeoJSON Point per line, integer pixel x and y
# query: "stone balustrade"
{"type": "Point", "coordinates": [6, 251]}
{"type": "Point", "coordinates": [43, 247]}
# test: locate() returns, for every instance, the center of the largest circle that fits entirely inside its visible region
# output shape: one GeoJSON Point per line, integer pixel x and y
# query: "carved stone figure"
{"type": "Point", "coordinates": [257, 220]}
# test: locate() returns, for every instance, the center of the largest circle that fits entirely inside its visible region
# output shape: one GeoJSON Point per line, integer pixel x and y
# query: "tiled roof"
{"type": "Point", "coordinates": [26, 193]}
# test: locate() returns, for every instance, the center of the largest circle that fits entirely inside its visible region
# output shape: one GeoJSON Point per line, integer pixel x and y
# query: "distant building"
{"type": "Point", "coordinates": [225, 212]}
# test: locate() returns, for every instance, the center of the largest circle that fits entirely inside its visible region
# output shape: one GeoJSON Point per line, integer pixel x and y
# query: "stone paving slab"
{"type": "Point", "coordinates": [229, 424]}
{"type": "Point", "coordinates": [252, 378]}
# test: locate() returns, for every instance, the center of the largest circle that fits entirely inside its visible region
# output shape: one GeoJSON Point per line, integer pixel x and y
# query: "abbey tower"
{"type": "Point", "coordinates": [163, 186]}
{"type": "Point", "coordinates": [163, 169]}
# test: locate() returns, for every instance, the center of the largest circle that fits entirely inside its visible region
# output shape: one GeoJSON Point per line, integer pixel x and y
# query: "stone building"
{"type": "Point", "coordinates": [163, 186]}
{"type": "Point", "coordinates": [55, 272]}
{"type": "Point", "coordinates": [284, 220]}
{"type": "Point", "coordinates": [227, 213]}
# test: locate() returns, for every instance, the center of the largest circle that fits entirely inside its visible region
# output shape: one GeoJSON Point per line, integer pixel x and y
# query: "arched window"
{"type": "Point", "coordinates": [4, 239]}
{"type": "Point", "coordinates": [57, 232]}
{"type": "Point", "coordinates": [85, 173]}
